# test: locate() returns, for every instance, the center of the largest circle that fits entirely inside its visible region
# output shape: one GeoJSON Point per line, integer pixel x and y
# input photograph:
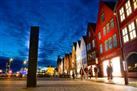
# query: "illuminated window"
{"type": "Point", "coordinates": [110, 43]}
{"type": "Point", "coordinates": [114, 40]}
{"type": "Point", "coordinates": [112, 23]}
{"type": "Point", "coordinates": [125, 35]}
{"type": "Point", "coordinates": [132, 31]}
{"type": "Point", "coordinates": [99, 35]}
{"type": "Point", "coordinates": [93, 43]}
{"type": "Point", "coordinates": [101, 49]}
{"type": "Point", "coordinates": [102, 17]}
{"type": "Point", "coordinates": [106, 45]}
{"type": "Point", "coordinates": [108, 28]}
{"type": "Point", "coordinates": [128, 8]}
{"type": "Point", "coordinates": [104, 31]}
{"type": "Point", "coordinates": [122, 14]}
{"type": "Point", "coordinates": [135, 4]}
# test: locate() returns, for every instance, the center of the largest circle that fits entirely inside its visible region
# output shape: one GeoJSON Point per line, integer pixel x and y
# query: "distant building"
{"type": "Point", "coordinates": [66, 65]}
{"type": "Point", "coordinates": [83, 50]}
{"type": "Point", "coordinates": [74, 57]}
{"type": "Point", "coordinates": [78, 58]}
{"type": "Point", "coordinates": [91, 46]}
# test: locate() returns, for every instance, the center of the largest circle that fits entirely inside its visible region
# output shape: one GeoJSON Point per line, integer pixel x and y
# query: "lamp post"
{"type": "Point", "coordinates": [8, 64]}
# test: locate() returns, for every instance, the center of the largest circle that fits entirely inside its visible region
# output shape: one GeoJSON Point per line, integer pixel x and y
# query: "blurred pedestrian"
{"type": "Point", "coordinates": [73, 75]}
{"type": "Point", "coordinates": [86, 72]}
{"type": "Point", "coordinates": [82, 73]}
{"type": "Point", "coordinates": [90, 72]}
{"type": "Point", "coordinates": [96, 70]}
{"type": "Point", "coordinates": [109, 72]}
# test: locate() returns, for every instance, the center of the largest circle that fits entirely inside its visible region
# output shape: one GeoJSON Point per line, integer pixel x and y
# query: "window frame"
{"type": "Point", "coordinates": [125, 35]}
{"type": "Point", "coordinates": [115, 42]}
{"type": "Point", "coordinates": [122, 14]}
{"type": "Point", "coordinates": [128, 8]}
{"type": "Point", "coordinates": [99, 35]}
{"type": "Point", "coordinates": [132, 31]}
{"type": "Point", "coordinates": [135, 4]}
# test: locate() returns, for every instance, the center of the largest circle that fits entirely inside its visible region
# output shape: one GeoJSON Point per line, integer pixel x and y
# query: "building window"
{"type": "Point", "coordinates": [112, 23]}
{"type": "Point", "coordinates": [106, 45]}
{"type": "Point", "coordinates": [88, 46]}
{"type": "Point", "coordinates": [99, 35]}
{"type": "Point", "coordinates": [102, 17]}
{"type": "Point", "coordinates": [132, 31]}
{"type": "Point", "coordinates": [108, 28]}
{"type": "Point", "coordinates": [110, 43]}
{"type": "Point", "coordinates": [125, 35]}
{"type": "Point", "coordinates": [101, 49]}
{"type": "Point", "coordinates": [93, 43]}
{"type": "Point", "coordinates": [128, 8]}
{"type": "Point", "coordinates": [135, 4]}
{"type": "Point", "coordinates": [104, 31]}
{"type": "Point", "coordinates": [114, 40]}
{"type": "Point", "coordinates": [122, 14]}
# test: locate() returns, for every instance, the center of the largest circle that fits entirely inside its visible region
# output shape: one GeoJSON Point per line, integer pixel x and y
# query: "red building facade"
{"type": "Point", "coordinates": [107, 39]}
{"type": "Point", "coordinates": [126, 11]}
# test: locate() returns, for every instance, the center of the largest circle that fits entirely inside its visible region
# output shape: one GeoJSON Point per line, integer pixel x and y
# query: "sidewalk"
{"type": "Point", "coordinates": [116, 80]}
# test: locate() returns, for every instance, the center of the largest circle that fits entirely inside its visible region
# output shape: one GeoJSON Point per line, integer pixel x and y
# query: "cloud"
{"type": "Point", "coordinates": [61, 23]}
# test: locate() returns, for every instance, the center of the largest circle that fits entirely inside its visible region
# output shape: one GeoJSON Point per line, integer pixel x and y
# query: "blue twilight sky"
{"type": "Point", "coordinates": [61, 23]}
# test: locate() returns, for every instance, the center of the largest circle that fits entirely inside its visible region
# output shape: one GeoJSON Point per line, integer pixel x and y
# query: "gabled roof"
{"type": "Point", "coordinates": [75, 45]}
{"type": "Point", "coordinates": [93, 25]}
{"type": "Point", "coordinates": [79, 42]}
{"type": "Point", "coordinates": [85, 38]}
{"type": "Point", "coordinates": [110, 4]}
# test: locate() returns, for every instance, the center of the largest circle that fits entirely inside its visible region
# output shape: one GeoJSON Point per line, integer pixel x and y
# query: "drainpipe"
{"type": "Point", "coordinates": [124, 63]}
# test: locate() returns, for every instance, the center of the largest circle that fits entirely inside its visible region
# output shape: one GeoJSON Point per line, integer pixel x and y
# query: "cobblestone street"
{"type": "Point", "coordinates": [63, 85]}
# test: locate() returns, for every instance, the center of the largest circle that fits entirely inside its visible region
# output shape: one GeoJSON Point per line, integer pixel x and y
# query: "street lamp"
{"type": "Point", "coordinates": [25, 62]}
{"type": "Point", "coordinates": [8, 64]}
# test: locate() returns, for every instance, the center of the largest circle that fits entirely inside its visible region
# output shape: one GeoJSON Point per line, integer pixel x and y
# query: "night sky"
{"type": "Point", "coordinates": [61, 22]}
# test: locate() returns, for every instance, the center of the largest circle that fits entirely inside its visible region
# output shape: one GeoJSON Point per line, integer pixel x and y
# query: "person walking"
{"type": "Point", "coordinates": [90, 72]}
{"type": "Point", "coordinates": [73, 75]}
{"type": "Point", "coordinates": [86, 72]}
{"type": "Point", "coordinates": [109, 72]}
{"type": "Point", "coordinates": [82, 73]}
{"type": "Point", "coordinates": [96, 72]}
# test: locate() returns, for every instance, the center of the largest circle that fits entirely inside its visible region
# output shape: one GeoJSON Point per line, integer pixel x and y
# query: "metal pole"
{"type": "Point", "coordinates": [121, 47]}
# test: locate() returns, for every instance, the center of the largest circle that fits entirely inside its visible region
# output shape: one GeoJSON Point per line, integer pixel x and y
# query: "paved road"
{"type": "Point", "coordinates": [63, 85]}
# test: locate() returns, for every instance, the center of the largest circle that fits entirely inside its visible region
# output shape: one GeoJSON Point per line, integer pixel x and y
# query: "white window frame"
{"type": "Point", "coordinates": [135, 4]}
{"type": "Point", "coordinates": [132, 30]}
{"type": "Point", "coordinates": [114, 40]}
{"type": "Point", "coordinates": [125, 35]}
{"type": "Point", "coordinates": [122, 14]}
{"type": "Point", "coordinates": [106, 45]}
{"type": "Point", "coordinates": [108, 28]}
{"type": "Point", "coordinates": [93, 43]}
{"type": "Point", "coordinates": [99, 35]}
{"type": "Point", "coordinates": [110, 43]}
{"type": "Point", "coordinates": [104, 31]}
{"type": "Point", "coordinates": [101, 48]}
{"type": "Point", "coordinates": [128, 8]}
{"type": "Point", "coordinates": [112, 23]}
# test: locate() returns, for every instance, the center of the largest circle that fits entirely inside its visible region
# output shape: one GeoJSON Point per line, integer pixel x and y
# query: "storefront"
{"type": "Point", "coordinates": [116, 66]}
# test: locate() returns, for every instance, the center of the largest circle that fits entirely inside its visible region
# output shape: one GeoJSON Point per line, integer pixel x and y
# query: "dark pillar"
{"type": "Point", "coordinates": [33, 55]}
